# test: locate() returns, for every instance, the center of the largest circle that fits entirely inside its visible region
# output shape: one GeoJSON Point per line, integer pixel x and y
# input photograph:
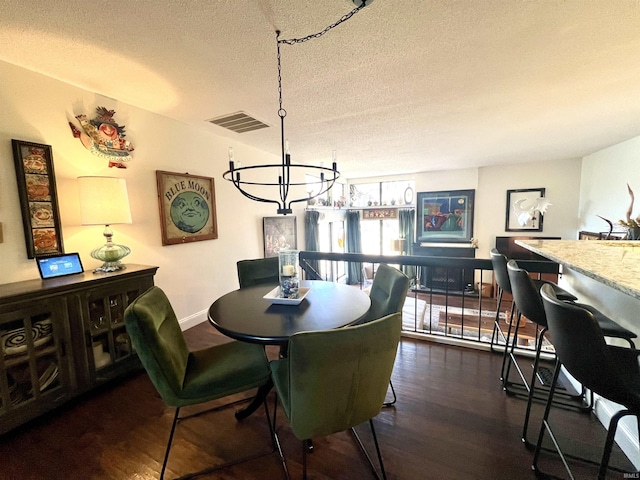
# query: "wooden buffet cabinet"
{"type": "Point", "coordinates": [62, 337]}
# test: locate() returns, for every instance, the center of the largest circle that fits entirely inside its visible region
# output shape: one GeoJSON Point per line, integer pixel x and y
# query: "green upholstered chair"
{"type": "Point", "coordinates": [333, 380]}
{"type": "Point", "coordinates": [388, 293]}
{"type": "Point", "coordinates": [184, 377]}
{"type": "Point", "coordinates": [260, 271]}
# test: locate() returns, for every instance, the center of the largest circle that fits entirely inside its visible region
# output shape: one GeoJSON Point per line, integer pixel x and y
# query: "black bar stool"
{"type": "Point", "coordinates": [529, 303]}
{"type": "Point", "coordinates": [611, 372]}
{"type": "Point", "coordinates": [499, 263]}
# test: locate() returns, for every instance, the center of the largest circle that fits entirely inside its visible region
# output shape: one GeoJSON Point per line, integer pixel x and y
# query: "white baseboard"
{"type": "Point", "coordinates": [193, 320]}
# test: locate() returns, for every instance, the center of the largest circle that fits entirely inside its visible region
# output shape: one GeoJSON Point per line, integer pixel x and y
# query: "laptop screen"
{"type": "Point", "coordinates": [59, 265]}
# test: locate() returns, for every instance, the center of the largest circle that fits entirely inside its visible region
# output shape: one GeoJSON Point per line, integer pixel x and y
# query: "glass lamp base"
{"type": "Point", "coordinates": [110, 254]}
{"type": "Point", "coordinates": [110, 267]}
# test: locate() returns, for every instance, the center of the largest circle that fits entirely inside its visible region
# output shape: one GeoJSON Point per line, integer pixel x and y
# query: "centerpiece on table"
{"type": "Point", "coordinates": [289, 276]}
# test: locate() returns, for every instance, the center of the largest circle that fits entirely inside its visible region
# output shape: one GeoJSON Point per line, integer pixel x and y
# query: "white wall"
{"type": "Point", "coordinates": [603, 191]}
{"type": "Point", "coordinates": [561, 179]}
{"type": "Point", "coordinates": [36, 108]}
{"type": "Point", "coordinates": [603, 186]}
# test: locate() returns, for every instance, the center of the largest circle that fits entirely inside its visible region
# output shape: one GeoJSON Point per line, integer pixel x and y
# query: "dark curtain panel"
{"type": "Point", "coordinates": [354, 245]}
{"type": "Point", "coordinates": [312, 235]}
{"type": "Point", "coordinates": [406, 217]}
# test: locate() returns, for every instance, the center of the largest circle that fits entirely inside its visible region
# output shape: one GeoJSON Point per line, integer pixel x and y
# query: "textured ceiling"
{"type": "Point", "coordinates": [403, 86]}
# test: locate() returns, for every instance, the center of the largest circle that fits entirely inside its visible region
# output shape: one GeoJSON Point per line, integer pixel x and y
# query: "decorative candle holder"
{"type": "Point", "coordinates": [288, 272]}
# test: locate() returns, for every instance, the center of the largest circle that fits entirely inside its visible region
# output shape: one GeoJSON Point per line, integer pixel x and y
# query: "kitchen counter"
{"type": "Point", "coordinates": [614, 263]}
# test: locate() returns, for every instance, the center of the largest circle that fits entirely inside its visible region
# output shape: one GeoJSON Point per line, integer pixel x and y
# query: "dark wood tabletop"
{"type": "Point", "coordinates": [244, 315]}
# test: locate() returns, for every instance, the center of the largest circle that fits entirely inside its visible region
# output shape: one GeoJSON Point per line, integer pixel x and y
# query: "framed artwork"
{"type": "Point", "coordinates": [279, 232]}
{"type": "Point", "coordinates": [525, 209]}
{"type": "Point", "coordinates": [187, 207]}
{"type": "Point", "coordinates": [38, 198]}
{"type": "Point", "coordinates": [445, 216]}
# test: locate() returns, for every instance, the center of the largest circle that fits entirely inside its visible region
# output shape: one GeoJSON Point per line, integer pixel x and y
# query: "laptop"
{"type": "Point", "coordinates": [53, 266]}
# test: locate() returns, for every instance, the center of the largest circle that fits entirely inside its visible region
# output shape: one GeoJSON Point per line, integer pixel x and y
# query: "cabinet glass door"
{"type": "Point", "coordinates": [31, 363]}
{"type": "Point", "coordinates": [109, 341]}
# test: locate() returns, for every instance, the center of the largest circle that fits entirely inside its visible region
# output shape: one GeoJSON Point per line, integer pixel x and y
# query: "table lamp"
{"type": "Point", "coordinates": [104, 201]}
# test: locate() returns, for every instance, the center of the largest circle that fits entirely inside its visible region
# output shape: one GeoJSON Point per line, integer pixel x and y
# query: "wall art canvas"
{"type": "Point", "coordinates": [525, 210]}
{"type": "Point", "coordinates": [279, 233]}
{"type": "Point", "coordinates": [445, 216]}
{"type": "Point", "coordinates": [187, 207]}
{"type": "Point", "coordinates": [38, 198]}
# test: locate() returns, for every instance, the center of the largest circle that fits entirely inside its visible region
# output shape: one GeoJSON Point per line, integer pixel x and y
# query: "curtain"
{"type": "Point", "coordinates": [354, 245]}
{"type": "Point", "coordinates": [312, 235]}
{"type": "Point", "coordinates": [407, 230]}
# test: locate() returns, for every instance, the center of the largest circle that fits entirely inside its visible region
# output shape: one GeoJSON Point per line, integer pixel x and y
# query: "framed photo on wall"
{"type": "Point", "coordinates": [279, 232]}
{"type": "Point", "coordinates": [187, 207]}
{"type": "Point", "coordinates": [525, 208]}
{"type": "Point", "coordinates": [38, 198]}
{"type": "Point", "coordinates": [445, 216]}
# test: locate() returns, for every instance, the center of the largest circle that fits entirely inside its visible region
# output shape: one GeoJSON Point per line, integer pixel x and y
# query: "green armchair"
{"type": "Point", "coordinates": [333, 380]}
{"type": "Point", "coordinates": [260, 271]}
{"type": "Point", "coordinates": [184, 377]}
{"type": "Point", "coordinates": [388, 293]}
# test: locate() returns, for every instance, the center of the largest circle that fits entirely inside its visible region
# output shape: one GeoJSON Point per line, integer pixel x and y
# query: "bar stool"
{"type": "Point", "coordinates": [529, 303]}
{"type": "Point", "coordinates": [611, 372]}
{"type": "Point", "coordinates": [499, 263]}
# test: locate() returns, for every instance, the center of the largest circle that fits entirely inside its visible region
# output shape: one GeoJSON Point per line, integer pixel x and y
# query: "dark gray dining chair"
{"type": "Point", "coordinates": [259, 271]}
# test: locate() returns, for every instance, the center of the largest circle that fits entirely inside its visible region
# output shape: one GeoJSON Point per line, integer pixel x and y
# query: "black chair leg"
{"type": "Point", "coordinates": [393, 392]}
{"type": "Point", "coordinates": [510, 359]}
{"type": "Point", "coordinates": [544, 426]}
{"type": "Point", "coordinates": [375, 441]}
{"type": "Point", "coordinates": [305, 447]}
{"type": "Point", "coordinates": [536, 365]}
{"type": "Point", "coordinates": [505, 353]}
{"type": "Point", "coordinates": [366, 454]}
{"type": "Point", "coordinates": [274, 435]}
{"type": "Point", "coordinates": [166, 453]}
{"type": "Point", "coordinates": [496, 324]}
{"type": "Point", "coordinates": [611, 434]}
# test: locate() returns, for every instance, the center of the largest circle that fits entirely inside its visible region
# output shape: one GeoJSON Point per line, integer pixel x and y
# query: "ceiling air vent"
{"type": "Point", "coordinates": [238, 122]}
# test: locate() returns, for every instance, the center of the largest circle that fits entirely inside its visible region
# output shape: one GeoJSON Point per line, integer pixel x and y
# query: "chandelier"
{"type": "Point", "coordinates": [327, 177]}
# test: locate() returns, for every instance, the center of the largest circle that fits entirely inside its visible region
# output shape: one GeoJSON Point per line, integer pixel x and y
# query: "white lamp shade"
{"type": "Point", "coordinates": [103, 201]}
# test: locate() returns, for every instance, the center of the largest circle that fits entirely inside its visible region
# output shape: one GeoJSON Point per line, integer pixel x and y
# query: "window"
{"type": "Point", "coordinates": [380, 235]}
{"type": "Point", "coordinates": [387, 194]}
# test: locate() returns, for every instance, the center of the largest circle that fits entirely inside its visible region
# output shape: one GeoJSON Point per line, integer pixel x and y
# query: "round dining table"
{"type": "Point", "coordinates": [246, 315]}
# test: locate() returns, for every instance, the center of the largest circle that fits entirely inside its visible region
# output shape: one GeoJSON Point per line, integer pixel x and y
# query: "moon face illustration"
{"type": "Point", "coordinates": [189, 212]}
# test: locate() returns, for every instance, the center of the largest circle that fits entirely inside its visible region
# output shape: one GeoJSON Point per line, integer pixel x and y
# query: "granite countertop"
{"type": "Point", "coordinates": [614, 263]}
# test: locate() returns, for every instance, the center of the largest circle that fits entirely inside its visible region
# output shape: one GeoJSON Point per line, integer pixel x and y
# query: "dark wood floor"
{"type": "Point", "coordinates": [452, 420]}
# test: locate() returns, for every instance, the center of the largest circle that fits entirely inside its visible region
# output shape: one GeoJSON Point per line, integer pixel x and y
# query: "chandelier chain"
{"type": "Point", "coordinates": [284, 179]}
{"type": "Point", "coordinates": [344, 18]}
{"type": "Point", "coordinates": [281, 111]}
